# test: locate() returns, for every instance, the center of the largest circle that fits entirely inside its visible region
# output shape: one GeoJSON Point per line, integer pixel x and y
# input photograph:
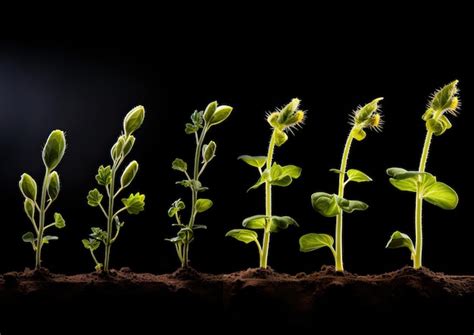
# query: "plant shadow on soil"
{"type": "Point", "coordinates": [253, 299]}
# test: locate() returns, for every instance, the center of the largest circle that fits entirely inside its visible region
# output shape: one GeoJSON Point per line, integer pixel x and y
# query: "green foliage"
{"type": "Point", "coordinates": [28, 186]}
{"type": "Point", "coordinates": [255, 161]}
{"type": "Point", "coordinates": [59, 221]}
{"type": "Point", "coordinates": [312, 241]}
{"type": "Point", "coordinates": [243, 235]}
{"type": "Point", "coordinates": [400, 240]}
{"type": "Point", "coordinates": [203, 205]}
{"type": "Point", "coordinates": [129, 174]}
{"type": "Point", "coordinates": [94, 198]}
{"type": "Point", "coordinates": [104, 175]}
{"type": "Point", "coordinates": [54, 185]}
{"type": "Point", "coordinates": [179, 165]}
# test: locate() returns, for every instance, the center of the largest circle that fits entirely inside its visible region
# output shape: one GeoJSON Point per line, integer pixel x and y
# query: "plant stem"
{"type": "Point", "coordinates": [110, 214]}
{"type": "Point", "coordinates": [342, 175]}
{"type": "Point", "coordinates": [417, 263]}
{"type": "Point", "coordinates": [268, 207]}
{"type": "Point", "coordinates": [42, 214]}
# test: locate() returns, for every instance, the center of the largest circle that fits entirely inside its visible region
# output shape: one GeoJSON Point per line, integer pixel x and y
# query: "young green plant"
{"type": "Point", "coordinates": [281, 121]}
{"type": "Point", "coordinates": [334, 205]}
{"type": "Point", "coordinates": [201, 122]}
{"type": "Point", "coordinates": [106, 177]}
{"type": "Point", "coordinates": [444, 101]}
{"type": "Point", "coordinates": [53, 152]}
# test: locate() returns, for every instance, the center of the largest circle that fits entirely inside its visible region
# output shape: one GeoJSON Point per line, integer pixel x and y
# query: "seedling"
{"type": "Point", "coordinates": [334, 205]}
{"type": "Point", "coordinates": [444, 101]}
{"type": "Point", "coordinates": [53, 152]}
{"type": "Point", "coordinates": [281, 121]}
{"type": "Point", "coordinates": [200, 124]}
{"type": "Point", "coordinates": [106, 177]}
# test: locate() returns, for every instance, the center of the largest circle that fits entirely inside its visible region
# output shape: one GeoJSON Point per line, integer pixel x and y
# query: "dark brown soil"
{"type": "Point", "coordinates": [253, 299]}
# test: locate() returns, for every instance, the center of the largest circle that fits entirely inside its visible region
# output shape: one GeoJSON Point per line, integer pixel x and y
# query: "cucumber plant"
{"type": "Point", "coordinates": [106, 177]}
{"type": "Point", "coordinates": [271, 174]}
{"type": "Point", "coordinates": [201, 123]}
{"type": "Point", "coordinates": [444, 102]}
{"type": "Point", "coordinates": [334, 205]}
{"type": "Point", "coordinates": [53, 153]}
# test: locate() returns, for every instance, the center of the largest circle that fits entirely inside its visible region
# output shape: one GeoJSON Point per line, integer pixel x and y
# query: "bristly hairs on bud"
{"type": "Point", "coordinates": [368, 116]}
{"type": "Point", "coordinates": [288, 117]}
{"type": "Point", "coordinates": [445, 99]}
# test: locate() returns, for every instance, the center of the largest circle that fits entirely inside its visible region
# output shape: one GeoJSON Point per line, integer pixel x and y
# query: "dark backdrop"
{"type": "Point", "coordinates": [86, 88]}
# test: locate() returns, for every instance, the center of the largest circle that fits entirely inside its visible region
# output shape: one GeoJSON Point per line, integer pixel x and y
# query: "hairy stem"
{"type": "Point", "coordinates": [42, 214]}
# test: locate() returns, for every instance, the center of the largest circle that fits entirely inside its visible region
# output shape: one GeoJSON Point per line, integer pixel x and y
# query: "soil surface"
{"type": "Point", "coordinates": [187, 301]}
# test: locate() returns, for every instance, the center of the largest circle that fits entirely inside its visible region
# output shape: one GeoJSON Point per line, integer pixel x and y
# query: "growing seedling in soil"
{"type": "Point", "coordinates": [330, 205]}
{"type": "Point", "coordinates": [53, 152]}
{"type": "Point", "coordinates": [106, 177]}
{"type": "Point", "coordinates": [444, 101]}
{"type": "Point", "coordinates": [201, 122]}
{"type": "Point", "coordinates": [271, 174]}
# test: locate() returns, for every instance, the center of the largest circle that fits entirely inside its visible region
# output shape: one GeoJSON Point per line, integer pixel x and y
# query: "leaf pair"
{"type": "Point", "coordinates": [330, 205]}
{"type": "Point", "coordinates": [278, 175]}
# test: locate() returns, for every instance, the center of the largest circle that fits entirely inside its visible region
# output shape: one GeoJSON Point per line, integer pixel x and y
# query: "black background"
{"type": "Point", "coordinates": [86, 88]}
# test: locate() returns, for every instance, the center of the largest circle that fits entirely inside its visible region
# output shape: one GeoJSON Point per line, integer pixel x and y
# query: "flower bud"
{"type": "Point", "coordinates": [221, 113]}
{"type": "Point", "coordinates": [287, 112]}
{"type": "Point", "coordinates": [210, 110]}
{"type": "Point", "coordinates": [363, 115]}
{"type": "Point", "coordinates": [117, 148]}
{"type": "Point", "coordinates": [29, 207]}
{"type": "Point", "coordinates": [53, 185]}
{"type": "Point", "coordinates": [28, 186]}
{"type": "Point", "coordinates": [128, 174]}
{"type": "Point", "coordinates": [54, 149]}
{"type": "Point", "coordinates": [133, 120]}
{"type": "Point", "coordinates": [445, 98]}
{"type": "Point", "coordinates": [127, 147]}
{"type": "Point", "coordinates": [208, 151]}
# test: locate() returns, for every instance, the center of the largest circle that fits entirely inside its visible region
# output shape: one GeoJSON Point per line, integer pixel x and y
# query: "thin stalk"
{"type": "Point", "coordinates": [268, 207]}
{"type": "Point", "coordinates": [417, 260]}
{"type": "Point", "coordinates": [110, 213]}
{"type": "Point", "coordinates": [42, 214]}
{"type": "Point", "coordinates": [342, 175]}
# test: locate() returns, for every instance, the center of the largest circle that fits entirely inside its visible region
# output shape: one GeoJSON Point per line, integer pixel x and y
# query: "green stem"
{"type": "Point", "coordinates": [417, 260]}
{"type": "Point", "coordinates": [110, 214]}
{"type": "Point", "coordinates": [42, 214]}
{"type": "Point", "coordinates": [268, 207]}
{"type": "Point", "coordinates": [342, 175]}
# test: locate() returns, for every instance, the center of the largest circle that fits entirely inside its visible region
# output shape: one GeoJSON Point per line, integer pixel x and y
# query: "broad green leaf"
{"type": "Point", "coordinates": [312, 241]}
{"type": "Point", "coordinates": [48, 238]}
{"type": "Point", "coordinates": [28, 237]}
{"type": "Point", "coordinates": [91, 244]}
{"type": "Point", "coordinates": [54, 149]}
{"type": "Point", "coordinates": [392, 172]}
{"type": "Point", "coordinates": [350, 206]}
{"type": "Point", "coordinates": [94, 198]}
{"type": "Point", "coordinates": [28, 186]}
{"type": "Point", "coordinates": [282, 222]}
{"type": "Point", "coordinates": [291, 170]}
{"type": "Point", "coordinates": [133, 120]}
{"type": "Point", "coordinates": [176, 206]}
{"type": "Point", "coordinates": [59, 221]}
{"type": "Point", "coordinates": [263, 178]}
{"type": "Point", "coordinates": [409, 184]}
{"type": "Point", "coordinates": [53, 185]}
{"type": "Point", "coordinates": [243, 235]}
{"type": "Point", "coordinates": [203, 205]}
{"type": "Point", "coordinates": [276, 171]}
{"type": "Point", "coordinates": [357, 176]}
{"type": "Point", "coordinates": [104, 175]}
{"type": "Point", "coordinates": [441, 195]}
{"type": "Point", "coordinates": [443, 98]}
{"type": "Point", "coordinates": [280, 137]}
{"type": "Point", "coordinates": [400, 240]}
{"type": "Point", "coordinates": [29, 207]}
{"type": "Point", "coordinates": [255, 161]}
{"type": "Point", "coordinates": [129, 174]}
{"type": "Point", "coordinates": [179, 165]}
{"type": "Point", "coordinates": [325, 204]}
{"type": "Point", "coordinates": [400, 174]}
{"type": "Point", "coordinates": [282, 181]}
{"type": "Point", "coordinates": [135, 203]}
{"type": "Point", "coordinates": [255, 222]}
{"type": "Point", "coordinates": [220, 115]}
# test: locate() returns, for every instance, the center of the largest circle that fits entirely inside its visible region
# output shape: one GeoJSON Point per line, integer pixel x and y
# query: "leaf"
{"type": "Point", "coordinates": [255, 161]}
{"type": "Point", "coordinates": [176, 206]}
{"type": "Point", "coordinates": [220, 115]}
{"type": "Point", "coordinates": [127, 147]}
{"type": "Point", "coordinates": [282, 181]}
{"type": "Point", "coordinates": [358, 133]}
{"type": "Point", "coordinates": [133, 120]}
{"type": "Point", "coordinates": [197, 118]}
{"type": "Point", "coordinates": [28, 237]}
{"type": "Point", "coordinates": [203, 205]}
{"type": "Point", "coordinates": [117, 148]}
{"type": "Point", "coordinates": [209, 151]}
{"type": "Point", "coordinates": [53, 185]}
{"type": "Point", "coordinates": [325, 204]}
{"type": "Point", "coordinates": [190, 128]}
{"type": "Point", "coordinates": [392, 172]}
{"type": "Point", "coordinates": [335, 171]}
{"type": "Point", "coordinates": [194, 184]}
{"type": "Point", "coordinates": [292, 171]}
{"type": "Point", "coordinates": [284, 175]}
{"type": "Point", "coordinates": [179, 165]}
{"type": "Point", "coordinates": [94, 198]}
{"type": "Point", "coordinates": [59, 221]}
{"type": "Point", "coordinates": [312, 241]}
{"type": "Point", "coordinates": [28, 186]}
{"type": "Point", "coordinates": [400, 240]}
{"type": "Point", "coordinates": [441, 195]}
{"type": "Point", "coordinates": [409, 184]}
{"type": "Point", "coordinates": [243, 235]}
{"type": "Point", "coordinates": [280, 137]}
{"type": "Point", "coordinates": [199, 226]}
{"type": "Point", "coordinates": [255, 222]}
{"type": "Point", "coordinates": [357, 176]}
{"type": "Point", "coordinates": [98, 234]}
{"type": "Point", "coordinates": [263, 178]}
{"type": "Point", "coordinates": [210, 110]}
{"type": "Point", "coordinates": [135, 203]}
{"type": "Point", "coordinates": [282, 222]}
{"type": "Point", "coordinates": [104, 175]}
{"type": "Point", "coordinates": [29, 207]}
{"type": "Point", "coordinates": [129, 174]}
{"type": "Point", "coordinates": [54, 149]}
{"type": "Point", "coordinates": [48, 238]}
{"type": "Point", "coordinates": [350, 206]}
{"type": "Point", "coordinates": [91, 244]}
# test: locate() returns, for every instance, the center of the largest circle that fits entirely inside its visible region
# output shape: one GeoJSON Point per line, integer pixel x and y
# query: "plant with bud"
{"type": "Point", "coordinates": [53, 153]}
{"type": "Point", "coordinates": [271, 174]}
{"type": "Point", "coordinates": [443, 102]}
{"type": "Point", "coordinates": [106, 177]}
{"type": "Point", "coordinates": [201, 122]}
{"type": "Point", "coordinates": [334, 205]}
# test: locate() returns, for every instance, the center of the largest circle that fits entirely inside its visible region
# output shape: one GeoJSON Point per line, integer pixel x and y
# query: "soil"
{"type": "Point", "coordinates": [250, 300]}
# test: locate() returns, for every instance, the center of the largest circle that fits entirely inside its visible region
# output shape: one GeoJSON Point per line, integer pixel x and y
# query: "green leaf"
{"type": "Point", "coordinates": [127, 147]}
{"type": "Point", "coordinates": [28, 237]}
{"type": "Point", "coordinates": [255, 222]}
{"type": "Point", "coordinates": [129, 174]}
{"type": "Point", "coordinates": [91, 244]}
{"type": "Point", "coordinates": [292, 171]}
{"type": "Point", "coordinates": [59, 221]}
{"type": "Point", "coordinates": [209, 151]}
{"type": "Point", "coordinates": [54, 149]}
{"type": "Point", "coordinates": [243, 235]}
{"type": "Point", "coordinates": [220, 115]}
{"type": "Point", "coordinates": [283, 175]}
{"type": "Point", "coordinates": [199, 226]}
{"type": "Point", "coordinates": [441, 195]}
{"type": "Point", "coordinates": [280, 137]}
{"type": "Point", "coordinates": [53, 185]}
{"type": "Point", "coordinates": [48, 238]}
{"type": "Point", "coordinates": [190, 128]}
{"type": "Point", "coordinates": [133, 120]}
{"type": "Point", "coordinates": [28, 186]}
{"type": "Point", "coordinates": [443, 98]}
{"type": "Point", "coordinates": [176, 206]}
{"type": "Point", "coordinates": [135, 203]}
{"type": "Point", "coordinates": [312, 241]}
{"type": "Point", "coordinates": [104, 175]}
{"type": "Point", "coordinates": [203, 205]}
{"type": "Point", "coordinates": [325, 204]}
{"type": "Point", "coordinates": [358, 133]}
{"type": "Point", "coordinates": [350, 206]}
{"type": "Point", "coordinates": [176, 239]}
{"type": "Point", "coordinates": [179, 165]}
{"type": "Point", "coordinates": [197, 118]}
{"type": "Point", "coordinates": [29, 207]}
{"type": "Point", "coordinates": [263, 178]}
{"type": "Point", "coordinates": [282, 222]}
{"type": "Point", "coordinates": [210, 110]}
{"type": "Point", "coordinates": [409, 184]}
{"type": "Point", "coordinates": [357, 176]}
{"type": "Point", "coordinates": [255, 161]}
{"type": "Point", "coordinates": [98, 234]}
{"type": "Point", "coordinates": [94, 198]}
{"type": "Point", "coordinates": [282, 181]}
{"type": "Point", "coordinates": [400, 240]}
{"type": "Point", "coordinates": [392, 172]}
{"type": "Point", "coordinates": [335, 171]}
{"type": "Point", "coordinates": [194, 184]}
